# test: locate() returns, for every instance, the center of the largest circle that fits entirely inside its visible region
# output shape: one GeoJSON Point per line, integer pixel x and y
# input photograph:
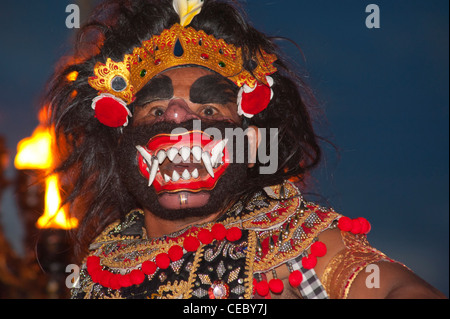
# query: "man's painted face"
{"type": "Point", "coordinates": [169, 163]}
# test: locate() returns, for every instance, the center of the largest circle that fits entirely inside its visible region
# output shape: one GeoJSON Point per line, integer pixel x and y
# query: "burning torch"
{"type": "Point", "coordinates": [39, 199]}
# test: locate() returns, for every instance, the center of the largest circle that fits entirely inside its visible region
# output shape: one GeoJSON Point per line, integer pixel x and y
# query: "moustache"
{"type": "Point", "coordinates": [140, 135]}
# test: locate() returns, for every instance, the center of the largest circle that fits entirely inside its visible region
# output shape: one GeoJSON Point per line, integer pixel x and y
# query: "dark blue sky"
{"type": "Point", "coordinates": [384, 93]}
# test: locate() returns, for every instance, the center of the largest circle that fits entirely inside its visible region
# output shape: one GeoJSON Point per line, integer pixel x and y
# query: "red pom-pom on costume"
{"type": "Point", "coordinates": [318, 249]}
{"type": "Point", "coordinates": [93, 267]}
{"type": "Point", "coordinates": [115, 282]}
{"type": "Point", "coordinates": [219, 231]}
{"type": "Point", "coordinates": [93, 261]}
{"type": "Point", "coordinates": [95, 274]}
{"type": "Point", "coordinates": [93, 264]}
{"type": "Point", "coordinates": [276, 286]}
{"type": "Point", "coordinates": [175, 253]}
{"type": "Point", "coordinates": [262, 288]}
{"type": "Point", "coordinates": [105, 278]}
{"type": "Point", "coordinates": [137, 277]}
{"type": "Point", "coordinates": [356, 227]}
{"type": "Point", "coordinates": [162, 261]}
{"type": "Point", "coordinates": [148, 267]}
{"type": "Point", "coordinates": [309, 262]}
{"type": "Point", "coordinates": [205, 236]}
{"type": "Point", "coordinates": [365, 225]}
{"type": "Point", "coordinates": [234, 234]}
{"type": "Point", "coordinates": [345, 223]}
{"type": "Point", "coordinates": [110, 110]}
{"type": "Point", "coordinates": [125, 280]}
{"type": "Point", "coordinates": [295, 278]}
{"type": "Point", "coordinates": [191, 243]}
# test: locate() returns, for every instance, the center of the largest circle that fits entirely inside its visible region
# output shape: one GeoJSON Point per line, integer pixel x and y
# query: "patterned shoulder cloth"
{"type": "Point", "coordinates": [265, 247]}
{"type": "Point", "coordinates": [286, 234]}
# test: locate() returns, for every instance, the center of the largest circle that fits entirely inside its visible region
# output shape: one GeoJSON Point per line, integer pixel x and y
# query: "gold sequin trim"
{"type": "Point", "coordinates": [193, 271]}
{"type": "Point", "coordinates": [251, 253]}
{"type": "Point", "coordinates": [275, 257]}
{"type": "Point", "coordinates": [343, 268]}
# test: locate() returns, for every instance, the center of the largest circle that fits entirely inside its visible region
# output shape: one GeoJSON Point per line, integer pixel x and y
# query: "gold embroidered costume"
{"type": "Point", "coordinates": [278, 228]}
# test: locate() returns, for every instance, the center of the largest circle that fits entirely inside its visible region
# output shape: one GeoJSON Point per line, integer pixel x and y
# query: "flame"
{"type": "Point", "coordinates": [54, 216]}
{"type": "Point", "coordinates": [35, 153]}
{"type": "Point", "coordinates": [72, 76]}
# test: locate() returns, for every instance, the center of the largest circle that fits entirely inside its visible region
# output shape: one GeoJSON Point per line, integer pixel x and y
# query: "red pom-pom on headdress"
{"type": "Point", "coordinates": [110, 110]}
{"type": "Point", "coordinates": [252, 101]}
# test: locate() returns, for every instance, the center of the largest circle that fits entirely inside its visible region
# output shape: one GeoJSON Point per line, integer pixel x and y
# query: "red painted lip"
{"type": "Point", "coordinates": [189, 139]}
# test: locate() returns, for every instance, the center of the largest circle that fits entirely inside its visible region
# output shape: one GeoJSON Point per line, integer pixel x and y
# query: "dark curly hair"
{"type": "Point", "coordinates": [87, 148]}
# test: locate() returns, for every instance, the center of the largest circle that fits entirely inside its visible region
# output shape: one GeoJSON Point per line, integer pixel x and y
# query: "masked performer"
{"type": "Point", "coordinates": [184, 130]}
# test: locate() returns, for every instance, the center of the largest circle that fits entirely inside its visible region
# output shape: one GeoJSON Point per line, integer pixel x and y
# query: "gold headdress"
{"type": "Point", "coordinates": [176, 46]}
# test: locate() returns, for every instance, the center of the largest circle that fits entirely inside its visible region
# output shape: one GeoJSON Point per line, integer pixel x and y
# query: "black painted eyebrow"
{"type": "Point", "coordinates": [158, 88]}
{"type": "Point", "coordinates": [213, 89]}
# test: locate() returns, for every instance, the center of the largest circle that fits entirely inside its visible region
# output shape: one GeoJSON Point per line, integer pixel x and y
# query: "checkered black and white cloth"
{"type": "Point", "coordinates": [311, 287]}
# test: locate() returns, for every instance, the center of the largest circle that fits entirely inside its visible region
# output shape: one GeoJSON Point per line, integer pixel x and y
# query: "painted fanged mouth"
{"type": "Point", "coordinates": [192, 161]}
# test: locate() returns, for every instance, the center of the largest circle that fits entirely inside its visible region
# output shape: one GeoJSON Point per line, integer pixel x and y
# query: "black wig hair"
{"type": "Point", "coordinates": [87, 147]}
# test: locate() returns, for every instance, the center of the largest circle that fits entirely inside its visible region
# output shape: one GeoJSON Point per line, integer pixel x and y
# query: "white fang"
{"type": "Point", "coordinates": [145, 154]}
{"type": "Point", "coordinates": [207, 162]}
{"type": "Point", "coordinates": [217, 152]}
{"type": "Point", "coordinates": [153, 171]}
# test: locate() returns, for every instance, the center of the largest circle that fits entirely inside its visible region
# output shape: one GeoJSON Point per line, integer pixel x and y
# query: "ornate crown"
{"type": "Point", "coordinates": [174, 47]}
